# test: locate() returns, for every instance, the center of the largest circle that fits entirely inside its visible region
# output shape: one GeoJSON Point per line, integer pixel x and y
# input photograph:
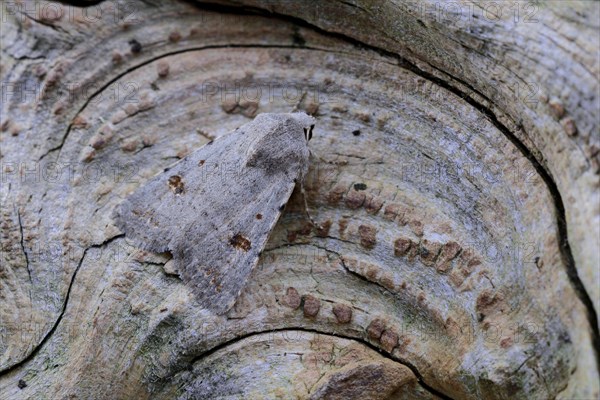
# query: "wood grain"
{"type": "Point", "coordinates": [454, 179]}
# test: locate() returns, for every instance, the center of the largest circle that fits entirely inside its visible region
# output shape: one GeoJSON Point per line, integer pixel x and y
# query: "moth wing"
{"type": "Point", "coordinates": [218, 264]}
{"type": "Point", "coordinates": [154, 213]}
{"type": "Point", "coordinates": [218, 225]}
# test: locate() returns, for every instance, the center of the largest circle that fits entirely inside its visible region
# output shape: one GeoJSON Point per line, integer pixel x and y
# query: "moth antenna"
{"type": "Point", "coordinates": [318, 157]}
{"type": "Point", "coordinates": [322, 160]}
{"type": "Point", "coordinates": [312, 221]}
{"type": "Point", "coordinates": [297, 106]}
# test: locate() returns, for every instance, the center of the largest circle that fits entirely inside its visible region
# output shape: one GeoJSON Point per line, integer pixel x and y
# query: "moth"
{"type": "Point", "coordinates": [214, 209]}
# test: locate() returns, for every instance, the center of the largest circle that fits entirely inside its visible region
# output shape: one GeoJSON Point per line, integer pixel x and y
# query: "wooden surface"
{"type": "Point", "coordinates": [455, 177]}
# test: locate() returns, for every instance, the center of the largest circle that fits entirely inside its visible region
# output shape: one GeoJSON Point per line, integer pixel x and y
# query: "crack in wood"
{"type": "Point", "coordinates": [24, 251]}
{"type": "Point", "coordinates": [362, 341]}
{"type": "Point", "coordinates": [46, 337]}
{"type": "Point", "coordinates": [565, 248]}
{"type": "Point", "coordinates": [146, 62]}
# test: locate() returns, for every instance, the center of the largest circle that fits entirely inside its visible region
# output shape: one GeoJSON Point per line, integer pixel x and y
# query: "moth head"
{"type": "Point", "coordinates": [306, 122]}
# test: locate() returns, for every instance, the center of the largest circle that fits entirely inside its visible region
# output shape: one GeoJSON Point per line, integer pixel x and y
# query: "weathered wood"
{"type": "Point", "coordinates": [449, 150]}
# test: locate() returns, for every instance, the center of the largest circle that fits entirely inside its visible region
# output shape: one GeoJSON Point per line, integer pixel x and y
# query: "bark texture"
{"type": "Point", "coordinates": [455, 181]}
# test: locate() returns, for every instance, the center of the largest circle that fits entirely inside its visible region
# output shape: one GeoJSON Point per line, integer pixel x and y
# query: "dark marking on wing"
{"type": "Point", "coordinates": [176, 184]}
{"type": "Point", "coordinates": [241, 242]}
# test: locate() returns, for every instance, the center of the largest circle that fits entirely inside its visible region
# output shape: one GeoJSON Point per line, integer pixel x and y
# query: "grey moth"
{"type": "Point", "coordinates": [214, 209]}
